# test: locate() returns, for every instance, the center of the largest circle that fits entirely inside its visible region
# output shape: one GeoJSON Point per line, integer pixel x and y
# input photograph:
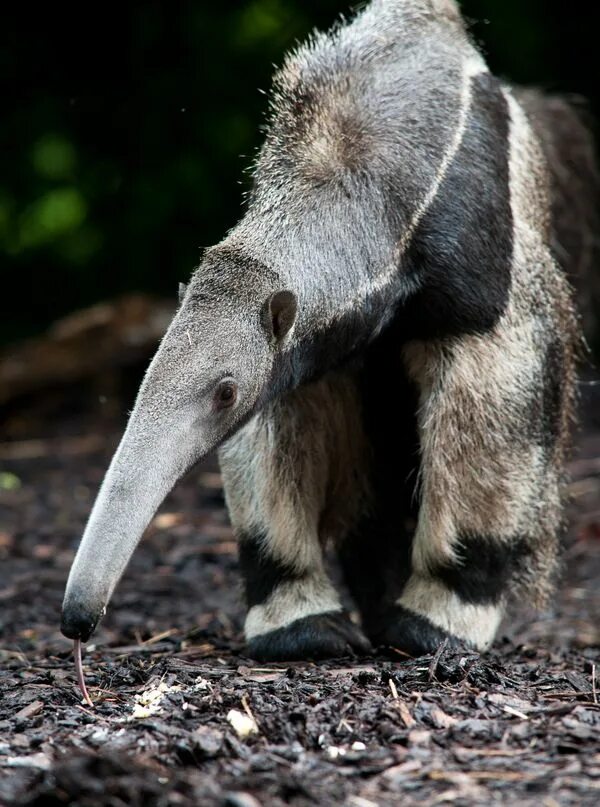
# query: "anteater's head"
{"type": "Point", "coordinates": [211, 372]}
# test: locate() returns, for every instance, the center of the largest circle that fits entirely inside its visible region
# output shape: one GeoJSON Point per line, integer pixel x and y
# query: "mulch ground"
{"type": "Point", "coordinates": [182, 717]}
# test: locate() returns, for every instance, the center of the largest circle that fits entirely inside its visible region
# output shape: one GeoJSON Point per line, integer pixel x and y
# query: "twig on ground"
{"type": "Point", "coordinates": [436, 660]}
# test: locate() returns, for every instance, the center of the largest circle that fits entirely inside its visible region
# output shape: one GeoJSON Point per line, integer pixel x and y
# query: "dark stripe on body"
{"type": "Point", "coordinates": [485, 570]}
{"type": "Point", "coordinates": [261, 572]}
{"type": "Point", "coordinates": [462, 250]}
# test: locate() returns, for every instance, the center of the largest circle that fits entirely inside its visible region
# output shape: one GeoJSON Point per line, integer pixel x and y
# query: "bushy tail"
{"type": "Point", "coordinates": [560, 123]}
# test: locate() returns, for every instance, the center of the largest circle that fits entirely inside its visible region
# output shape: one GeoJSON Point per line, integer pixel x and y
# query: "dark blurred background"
{"type": "Point", "coordinates": [125, 131]}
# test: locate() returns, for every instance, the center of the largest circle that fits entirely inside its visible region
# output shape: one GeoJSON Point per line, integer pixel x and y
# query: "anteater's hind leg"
{"type": "Point", "coordinates": [467, 505]}
{"type": "Point", "coordinates": [493, 421]}
{"type": "Point", "coordinates": [293, 479]}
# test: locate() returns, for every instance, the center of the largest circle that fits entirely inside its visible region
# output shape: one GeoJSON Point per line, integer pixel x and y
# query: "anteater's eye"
{"type": "Point", "coordinates": [226, 394]}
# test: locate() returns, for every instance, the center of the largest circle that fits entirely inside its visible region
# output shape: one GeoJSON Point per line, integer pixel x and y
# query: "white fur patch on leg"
{"type": "Point", "coordinates": [293, 473]}
{"type": "Point", "coordinates": [290, 601]}
{"type": "Point", "coordinates": [476, 624]}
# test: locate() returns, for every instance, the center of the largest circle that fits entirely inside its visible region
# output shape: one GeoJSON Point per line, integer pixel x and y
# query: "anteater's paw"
{"type": "Point", "coordinates": [411, 633]}
{"type": "Point", "coordinates": [329, 635]}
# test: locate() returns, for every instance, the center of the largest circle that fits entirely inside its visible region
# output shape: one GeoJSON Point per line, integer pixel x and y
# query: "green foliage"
{"type": "Point", "coordinates": [54, 214]}
{"type": "Point", "coordinates": [9, 481]}
{"type": "Point", "coordinates": [53, 157]}
{"type": "Point", "coordinates": [261, 22]}
{"type": "Point", "coordinates": [123, 149]}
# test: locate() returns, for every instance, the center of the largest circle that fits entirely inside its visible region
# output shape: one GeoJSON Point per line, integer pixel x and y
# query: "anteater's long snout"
{"type": "Point", "coordinates": [151, 458]}
{"type": "Point", "coordinates": [80, 615]}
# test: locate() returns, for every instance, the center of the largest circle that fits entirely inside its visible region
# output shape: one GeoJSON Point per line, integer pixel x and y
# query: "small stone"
{"type": "Point", "coordinates": [243, 725]}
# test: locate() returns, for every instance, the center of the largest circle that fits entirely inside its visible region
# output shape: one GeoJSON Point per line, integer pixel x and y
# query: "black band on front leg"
{"type": "Point", "coordinates": [262, 572]}
{"type": "Point", "coordinates": [485, 569]}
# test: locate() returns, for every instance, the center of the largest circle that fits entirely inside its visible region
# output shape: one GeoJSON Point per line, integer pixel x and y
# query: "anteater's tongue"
{"type": "Point", "coordinates": [79, 671]}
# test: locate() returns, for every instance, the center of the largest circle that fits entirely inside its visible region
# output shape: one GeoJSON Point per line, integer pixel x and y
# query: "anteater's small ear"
{"type": "Point", "coordinates": [182, 291]}
{"type": "Point", "coordinates": [280, 313]}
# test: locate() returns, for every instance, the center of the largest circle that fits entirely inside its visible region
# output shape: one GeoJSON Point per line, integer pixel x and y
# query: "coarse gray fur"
{"type": "Point", "coordinates": [399, 234]}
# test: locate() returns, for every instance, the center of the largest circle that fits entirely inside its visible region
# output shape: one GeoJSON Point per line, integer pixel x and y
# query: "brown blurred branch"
{"type": "Point", "coordinates": [84, 344]}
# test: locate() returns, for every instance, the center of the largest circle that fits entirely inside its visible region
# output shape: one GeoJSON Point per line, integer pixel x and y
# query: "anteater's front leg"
{"type": "Point", "coordinates": [291, 484]}
{"type": "Point", "coordinates": [493, 422]}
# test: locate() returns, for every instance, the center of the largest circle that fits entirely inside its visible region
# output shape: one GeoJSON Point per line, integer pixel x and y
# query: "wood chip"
{"type": "Point", "coordinates": [31, 710]}
{"type": "Point", "coordinates": [406, 716]}
{"type": "Point", "coordinates": [165, 521]}
{"type": "Point", "coordinates": [515, 712]}
{"type": "Point", "coordinates": [501, 776]}
{"type": "Point", "coordinates": [39, 761]}
{"type": "Point", "coordinates": [441, 720]}
{"type": "Point", "coordinates": [436, 660]}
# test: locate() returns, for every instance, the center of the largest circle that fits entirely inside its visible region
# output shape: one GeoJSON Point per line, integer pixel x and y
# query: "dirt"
{"type": "Point", "coordinates": [182, 717]}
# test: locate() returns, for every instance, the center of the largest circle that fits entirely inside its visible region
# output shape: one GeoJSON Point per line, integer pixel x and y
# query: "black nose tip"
{"type": "Point", "coordinates": [79, 621]}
